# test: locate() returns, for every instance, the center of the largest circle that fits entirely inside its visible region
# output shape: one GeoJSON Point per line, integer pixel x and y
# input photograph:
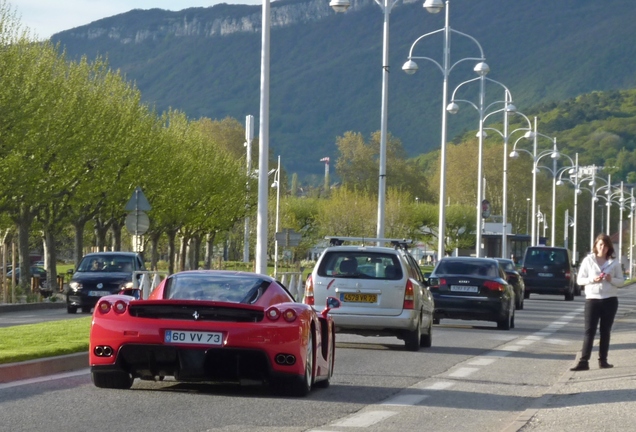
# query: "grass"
{"type": "Point", "coordinates": [53, 338]}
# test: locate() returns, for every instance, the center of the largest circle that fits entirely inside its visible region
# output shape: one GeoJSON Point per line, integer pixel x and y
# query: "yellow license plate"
{"type": "Point", "coordinates": [360, 298]}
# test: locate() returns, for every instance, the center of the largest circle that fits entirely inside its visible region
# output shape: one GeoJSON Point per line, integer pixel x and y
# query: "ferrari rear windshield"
{"type": "Point", "coordinates": [210, 287]}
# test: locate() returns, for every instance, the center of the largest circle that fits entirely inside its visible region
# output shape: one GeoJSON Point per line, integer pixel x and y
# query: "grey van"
{"type": "Point", "coordinates": [548, 270]}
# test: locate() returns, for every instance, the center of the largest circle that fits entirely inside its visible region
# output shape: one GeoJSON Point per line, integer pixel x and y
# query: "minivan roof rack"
{"type": "Point", "coordinates": [396, 243]}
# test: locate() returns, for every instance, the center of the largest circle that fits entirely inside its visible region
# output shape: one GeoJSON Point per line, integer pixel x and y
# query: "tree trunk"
{"type": "Point", "coordinates": [78, 253]}
{"type": "Point", "coordinates": [182, 253]}
{"type": "Point", "coordinates": [23, 253]}
{"type": "Point", "coordinates": [154, 250]}
{"type": "Point", "coordinates": [50, 260]}
{"type": "Point", "coordinates": [195, 247]}
{"type": "Point", "coordinates": [172, 234]}
{"type": "Point", "coordinates": [116, 225]}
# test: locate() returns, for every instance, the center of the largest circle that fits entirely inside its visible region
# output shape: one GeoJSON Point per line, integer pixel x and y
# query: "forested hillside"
{"type": "Point", "coordinates": [326, 68]}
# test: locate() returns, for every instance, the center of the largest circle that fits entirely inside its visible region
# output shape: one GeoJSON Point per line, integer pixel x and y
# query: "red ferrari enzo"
{"type": "Point", "coordinates": [213, 326]}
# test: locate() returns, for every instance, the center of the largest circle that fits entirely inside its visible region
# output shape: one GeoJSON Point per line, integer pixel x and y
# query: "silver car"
{"type": "Point", "coordinates": [381, 289]}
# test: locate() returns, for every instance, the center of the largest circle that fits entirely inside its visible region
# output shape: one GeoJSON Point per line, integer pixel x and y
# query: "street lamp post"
{"type": "Point", "coordinates": [276, 184]}
{"type": "Point", "coordinates": [535, 158]}
{"type": "Point", "coordinates": [410, 67]}
{"type": "Point", "coordinates": [263, 141]}
{"type": "Point", "coordinates": [249, 136]}
{"type": "Point", "coordinates": [508, 108]}
{"type": "Point", "coordinates": [386, 5]}
{"type": "Point", "coordinates": [527, 214]}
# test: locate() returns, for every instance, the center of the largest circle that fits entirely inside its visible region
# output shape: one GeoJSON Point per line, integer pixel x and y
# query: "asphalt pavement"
{"type": "Point", "coordinates": [594, 400]}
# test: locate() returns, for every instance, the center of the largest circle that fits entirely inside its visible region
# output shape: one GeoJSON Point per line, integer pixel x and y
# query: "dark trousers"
{"type": "Point", "coordinates": [603, 310]}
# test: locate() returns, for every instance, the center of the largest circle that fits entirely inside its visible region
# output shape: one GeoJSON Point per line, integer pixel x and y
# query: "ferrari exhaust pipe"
{"type": "Point", "coordinates": [103, 351]}
{"type": "Point", "coordinates": [285, 359]}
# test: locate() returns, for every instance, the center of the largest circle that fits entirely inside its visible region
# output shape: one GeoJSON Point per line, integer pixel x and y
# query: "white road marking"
{"type": "Point", "coordinates": [405, 400]}
{"type": "Point", "coordinates": [440, 385]}
{"type": "Point", "coordinates": [45, 378]}
{"type": "Point", "coordinates": [463, 372]}
{"type": "Point", "coordinates": [481, 361]}
{"type": "Point", "coordinates": [364, 419]}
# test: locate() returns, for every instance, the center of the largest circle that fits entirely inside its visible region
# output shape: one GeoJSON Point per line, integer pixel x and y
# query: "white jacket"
{"type": "Point", "coordinates": [590, 270]}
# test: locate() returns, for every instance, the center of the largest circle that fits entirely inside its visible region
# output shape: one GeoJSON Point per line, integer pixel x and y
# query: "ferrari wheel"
{"type": "Point", "coordinates": [112, 380]}
{"type": "Point", "coordinates": [302, 384]}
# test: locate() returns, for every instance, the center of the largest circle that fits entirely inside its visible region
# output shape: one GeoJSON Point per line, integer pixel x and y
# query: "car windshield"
{"type": "Point", "coordinates": [465, 268]}
{"type": "Point", "coordinates": [546, 256]}
{"type": "Point", "coordinates": [361, 264]}
{"type": "Point", "coordinates": [107, 264]}
{"type": "Point", "coordinates": [211, 287]}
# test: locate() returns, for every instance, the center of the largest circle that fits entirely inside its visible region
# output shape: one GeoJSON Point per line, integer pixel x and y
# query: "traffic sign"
{"type": "Point", "coordinates": [138, 201]}
{"type": "Point", "coordinates": [137, 223]}
{"type": "Point", "coordinates": [288, 237]}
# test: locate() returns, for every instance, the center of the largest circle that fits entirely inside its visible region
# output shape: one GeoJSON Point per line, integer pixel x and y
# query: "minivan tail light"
{"type": "Point", "coordinates": [523, 271]}
{"type": "Point", "coordinates": [409, 295]}
{"type": "Point", "coordinates": [309, 291]}
{"type": "Point", "coordinates": [493, 286]}
{"type": "Point", "coordinates": [567, 274]}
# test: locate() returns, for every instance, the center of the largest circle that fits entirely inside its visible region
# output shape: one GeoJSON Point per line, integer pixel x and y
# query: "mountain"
{"type": "Point", "coordinates": [326, 68]}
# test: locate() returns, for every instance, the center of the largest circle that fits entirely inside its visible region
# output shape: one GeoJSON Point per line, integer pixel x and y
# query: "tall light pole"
{"type": "Point", "coordinates": [276, 184]}
{"type": "Point", "coordinates": [249, 136]}
{"type": "Point", "coordinates": [535, 157]}
{"type": "Point", "coordinates": [527, 214]}
{"type": "Point", "coordinates": [326, 161]}
{"type": "Point", "coordinates": [577, 192]}
{"type": "Point", "coordinates": [263, 141]}
{"type": "Point", "coordinates": [386, 6]}
{"type": "Point", "coordinates": [410, 67]}
{"type": "Point", "coordinates": [508, 108]}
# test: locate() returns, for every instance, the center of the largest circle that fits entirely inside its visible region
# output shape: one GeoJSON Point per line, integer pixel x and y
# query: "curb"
{"type": "Point", "coordinates": [19, 307]}
{"type": "Point", "coordinates": [42, 367]}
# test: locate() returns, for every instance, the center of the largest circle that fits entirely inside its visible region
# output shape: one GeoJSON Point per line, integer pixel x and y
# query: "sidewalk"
{"type": "Point", "coordinates": [595, 400]}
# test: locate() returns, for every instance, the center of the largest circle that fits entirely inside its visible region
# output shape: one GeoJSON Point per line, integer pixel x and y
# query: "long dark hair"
{"type": "Point", "coordinates": [608, 242]}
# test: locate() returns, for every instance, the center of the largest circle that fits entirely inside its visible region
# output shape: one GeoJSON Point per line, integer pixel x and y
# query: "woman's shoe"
{"type": "Point", "coordinates": [603, 364]}
{"type": "Point", "coordinates": [581, 366]}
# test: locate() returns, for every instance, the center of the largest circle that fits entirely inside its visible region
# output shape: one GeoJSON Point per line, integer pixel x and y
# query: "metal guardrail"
{"type": "Point", "coordinates": [147, 281]}
{"type": "Point", "coordinates": [294, 283]}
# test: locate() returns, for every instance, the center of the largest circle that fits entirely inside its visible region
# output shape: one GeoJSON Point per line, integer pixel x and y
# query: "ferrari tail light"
{"type": "Point", "coordinates": [309, 291]}
{"type": "Point", "coordinates": [409, 295]}
{"type": "Point", "coordinates": [290, 315]}
{"type": "Point", "coordinates": [104, 307]}
{"type": "Point", "coordinates": [272, 313]}
{"type": "Point", "coordinates": [493, 286]}
{"type": "Point", "coordinates": [120, 307]}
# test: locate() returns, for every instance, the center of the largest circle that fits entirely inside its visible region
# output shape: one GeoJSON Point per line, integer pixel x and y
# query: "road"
{"type": "Point", "coordinates": [474, 378]}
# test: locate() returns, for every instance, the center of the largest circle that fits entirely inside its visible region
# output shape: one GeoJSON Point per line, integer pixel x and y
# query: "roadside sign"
{"type": "Point", "coordinates": [137, 223]}
{"type": "Point", "coordinates": [288, 237]}
{"type": "Point", "coordinates": [138, 201]}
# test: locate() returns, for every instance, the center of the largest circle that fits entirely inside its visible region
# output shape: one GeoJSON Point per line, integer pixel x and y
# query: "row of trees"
{"type": "Point", "coordinates": [75, 141]}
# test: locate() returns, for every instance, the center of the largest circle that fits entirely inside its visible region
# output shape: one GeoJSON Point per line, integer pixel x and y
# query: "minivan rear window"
{"type": "Point", "coordinates": [541, 256]}
{"type": "Point", "coordinates": [360, 265]}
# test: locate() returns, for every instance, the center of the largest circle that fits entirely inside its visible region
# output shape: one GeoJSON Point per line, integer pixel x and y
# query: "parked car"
{"type": "Point", "coordinates": [515, 279]}
{"type": "Point", "coordinates": [381, 290]}
{"type": "Point", "coordinates": [40, 272]}
{"type": "Point", "coordinates": [469, 288]}
{"type": "Point", "coordinates": [100, 274]}
{"type": "Point", "coordinates": [213, 326]}
{"type": "Point", "coordinates": [548, 270]}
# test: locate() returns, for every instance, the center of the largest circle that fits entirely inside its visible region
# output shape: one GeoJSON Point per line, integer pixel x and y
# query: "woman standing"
{"type": "Point", "coordinates": [602, 276]}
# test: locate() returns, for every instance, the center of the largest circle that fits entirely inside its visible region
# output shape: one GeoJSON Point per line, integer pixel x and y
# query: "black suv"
{"type": "Point", "coordinates": [548, 270]}
{"type": "Point", "coordinates": [100, 274]}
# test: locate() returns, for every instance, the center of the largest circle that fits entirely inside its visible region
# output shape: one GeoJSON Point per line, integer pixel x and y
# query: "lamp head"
{"type": "Point", "coordinates": [340, 5]}
{"type": "Point", "coordinates": [528, 135]}
{"type": "Point", "coordinates": [514, 154]}
{"type": "Point", "coordinates": [433, 6]}
{"type": "Point", "coordinates": [452, 108]}
{"type": "Point", "coordinates": [482, 69]}
{"type": "Point", "coordinates": [559, 182]}
{"type": "Point", "coordinates": [578, 191]}
{"type": "Point", "coordinates": [555, 155]}
{"type": "Point", "coordinates": [410, 67]}
{"type": "Point", "coordinates": [511, 109]}
{"type": "Point", "coordinates": [275, 184]}
{"type": "Point", "coordinates": [482, 135]}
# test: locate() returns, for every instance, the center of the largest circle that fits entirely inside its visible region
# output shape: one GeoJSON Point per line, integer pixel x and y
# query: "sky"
{"type": "Point", "coordinates": [47, 17]}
